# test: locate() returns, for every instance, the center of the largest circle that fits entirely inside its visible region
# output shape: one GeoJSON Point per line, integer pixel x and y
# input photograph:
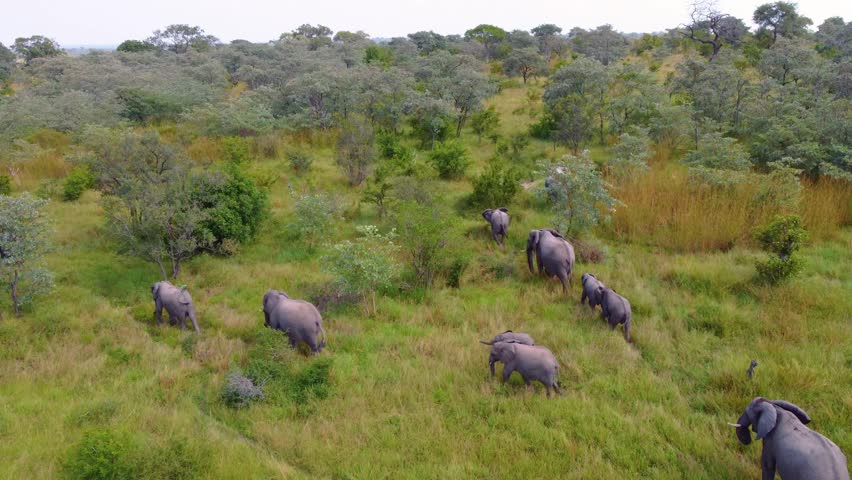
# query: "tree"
{"type": "Point", "coordinates": [356, 151]}
{"type": "Point", "coordinates": [315, 215]}
{"type": "Point", "coordinates": [24, 234]}
{"type": "Point", "coordinates": [789, 60]}
{"type": "Point", "coordinates": [576, 95]}
{"type": "Point", "coordinates": [630, 155]}
{"type": "Point", "coordinates": [136, 46]}
{"type": "Point", "coordinates": [783, 237]}
{"type": "Point", "coordinates": [718, 152]}
{"type": "Point", "coordinates": [497, 186]}
{"type": "Point", "coordinates": [578, 193]}
{"type": "Point", "coordinates": [467, 91]}
{"type": "Point", "coordinates": [525, 62]}
{"type": "Point", "coordinates": [425, 236]}
{"type": "Point", "coordinates": [428, 42]}
{"type": "Point", "coordinates": [316, 36]}
{"type": "Point", "coordinates": [834, 39]}
{"type": "Point", "coordinates": [518, 39]}
{"type": "Point", "coordinates": [780, 18]}
{"type": "Point", "coordinates": [488, 35]}
{"type": "Point", "coordinates": [178, 38]}
{"type": "Point", "coordinates": [484, 122]}
{"type": "Point", "coordinates": [7, 63]}
{"type": "Point", "coordinates": [710, 27]}
{"type": "Point", "coordinates": [366, 265]}
{"type": "Point", "coordinates": [36, 46]}
{"type": "Point", "coordinates": [450, 158]}
{"type": "Point", "coordinates": [603, 43]}
{"type": "Point", "coordinates": [547, 34]}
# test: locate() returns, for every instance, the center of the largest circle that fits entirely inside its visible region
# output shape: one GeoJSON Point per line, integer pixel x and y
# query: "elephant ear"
{"type": "Point", "coordinates": [486, 214]}
{"type": "Point", "coordinates": [183, 296]}
{"type": "Point", "coordinates": [764, 415]}
{"type": "Point", "coordinates": [270, 299]}
{"type": "Point", "coordinates": [503, 209]}
{"type": "Point", "coordinates": [555, 233]}
{"type": "Point", "coordinates": [794, 409]}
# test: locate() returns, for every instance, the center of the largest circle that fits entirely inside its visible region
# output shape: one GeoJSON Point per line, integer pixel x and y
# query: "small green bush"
{"type": "Point", "coordinates": [775, 269]}
{"type": "Point", "coordinates": [782, 237]}
{"type": "Point", "coordinates": [102, 454]}
{"type": "Point", "coordinates": [300, 160]}
{"type": "Point", "coordinates": [450, 159]}
{"type": "Point", "coordinates": [315, 214]}
{"type": "Point", "coordinates": [5, 185]}
{"type": "Point", "coordinates": [456, 270]}
{"type": "Point", "coordinates": [235, 149]}
{"type": "Point", "coordinates": [496, 187]}
{"type": "Point", "coordinates": [78, 181]}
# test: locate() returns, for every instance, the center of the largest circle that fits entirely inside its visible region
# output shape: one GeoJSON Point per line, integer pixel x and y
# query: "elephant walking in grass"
{"type": "Point", "coordinates": [176, 301]}
{"type": "Point", "coordinates": [789, 447]}
{"type": "Point", "coordinates": [592, 288]}
{"type": "Point", "coordinates": [553, 254]}
{"type": "Point", "coordinates": [615, 309]}
{"type": "Point", "coordinates": [499, 220]}
{"type": "Point", "coordinates": [300, 320]}
{"type": "Point", "coordinates": [533, 362]}
{"type": "Point", "coordinates": [507, 336]}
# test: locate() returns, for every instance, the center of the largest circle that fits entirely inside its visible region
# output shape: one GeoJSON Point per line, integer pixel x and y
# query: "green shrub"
{"type": "Point", "coordinates": [102, 454]}
{"type": "Point", "coordinates": [78, 181]}
{"type": "Point", "coordinates": [496, 187]}
{"type": "Point", "coordinates": [450, 159]}
{"type": "Point", "coordinates": [456, 270]}
{"type": "Point", "coordinates": [425, 234]}
{"type": "Point", "coordinates": [5, 185]}
{"type": "Point", "coordinates": [235, 149]}
{"type": "Point", "coordinates": [775, 269]}
{"type": "Point", "coordinates": [300, 160]}
{"type": "Point", "coordinates": [782, 237]}
{"type": "Point", "coordinates": [315, 213]}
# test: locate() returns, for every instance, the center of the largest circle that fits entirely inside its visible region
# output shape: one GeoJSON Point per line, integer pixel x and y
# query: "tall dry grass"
{"type": "Point", "coordinates": [663, 208]}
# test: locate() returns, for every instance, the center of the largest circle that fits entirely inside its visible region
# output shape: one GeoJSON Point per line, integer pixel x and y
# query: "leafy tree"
{"type": "Point", "coordinates": [317, 36]}
{"type": "Point", "coordinates": [36, 46]}
{"type": "Point", "coordinates": [711, 27]}
{"type": "Point", "coordinates": [428, 42]}
{"type": "Point", "coordinates": [485, 122]}
{"type": "Point", "coordinates": [547, 35]}
{"type": "Point", "coordinates": [525, 62]}
{"type": "Point", "coordinates": [425, 236]}
{"type": "Point", "coordinates": [718, 152]}
{"type": "Point", "coordinates": [630, 155]}
{"type": "Point", "coordinates": [136, 46]}
{"type": "Point", "coordinates": [488, 35]}
{"type": "Point", "coordinates": [578, 193]}
{"type": "Point", "coordinates": [7, 63]}
{"type": "Point", "coordinates": [519, 39]}
{"type": "Point", "coordinates": [178, 38]}
{"type": "Point", "coordinates": [246, 115]}
{"type": "Point", "coordinates": [315, 214]}
{"type": "Point", "coordinates": [782, 237]}
{"type": "Point", "coordinates": [576, 95]}
{"type": "Point", "coordinates": [24, 234]}
{"type": "Point", "coordinates": [450, 159]}
{"type": "Point", "coordinates": [467, 91]}
{"type": "Point", "coordinates": [379, 55]}
{"type": "Point", "coordinates": [789, 61]}
{"type": "Point", "coordinates": [780, 18]}
{"type": "Point", "coordinates": [78, 181]}
{"type": "Point", "coordinates": [497, 186]}
{"type": "Point", "coordinates": [603, 43]}
{"type": "Point", "coordinates": [834, 39]}
{"type": "Point", "coordinates": [143, 106]}
{"type": "Point", "coordinates": [633, 99]}
{"type": "Point", "coordinates": [366, 265]}
{"type": "Point", "coordinates": [356, 151]}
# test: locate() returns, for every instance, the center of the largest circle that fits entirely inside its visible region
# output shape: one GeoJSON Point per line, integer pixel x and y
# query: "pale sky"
{"type": "Point", "coordinates": [109, 22]}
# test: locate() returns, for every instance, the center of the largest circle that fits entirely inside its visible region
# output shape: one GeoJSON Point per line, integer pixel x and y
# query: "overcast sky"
{"type": "Point", "coordinates": [109, 22]}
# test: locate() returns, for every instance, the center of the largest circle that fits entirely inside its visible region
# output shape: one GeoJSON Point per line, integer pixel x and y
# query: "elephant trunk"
{"type": "Point", "coordinates": [529, 259]}
{"type": "Point", "coordinates": [742, 429]}
{"type": "Point", "coordinates": [322, 343]}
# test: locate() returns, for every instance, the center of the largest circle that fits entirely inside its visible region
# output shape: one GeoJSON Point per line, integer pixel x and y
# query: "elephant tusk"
{"type": "Point", "coordinates": [735, 425]}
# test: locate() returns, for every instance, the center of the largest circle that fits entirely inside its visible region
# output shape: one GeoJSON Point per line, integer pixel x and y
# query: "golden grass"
{"type": "Point", "coordinates": [826, 206]}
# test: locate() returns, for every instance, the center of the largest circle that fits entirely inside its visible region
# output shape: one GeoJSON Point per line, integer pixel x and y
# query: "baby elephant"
{"type": "Point", "coordinates": [300, 320]}
{"type": "Point", "coordinates": [176, 301]}
{"type": "Point", "coordinates": [499, 220]}
{"type": "Point", "coordinates": [591, 290]}
{"type": "Point", "coordinates": [797, 452]}
{"type": "Point", "coordinates": [507, 336]}
{"type": "Point", "coordinates": [533, 362]}
{"type": "Point", "coordinates": [615, 309]}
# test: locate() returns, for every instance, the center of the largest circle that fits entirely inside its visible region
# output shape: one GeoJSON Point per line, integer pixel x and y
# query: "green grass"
{"type": "Point", "coordinates": [408, 393]}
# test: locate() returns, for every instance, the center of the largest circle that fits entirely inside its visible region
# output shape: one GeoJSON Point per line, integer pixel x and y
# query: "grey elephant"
{"type": "Point", "coordinates": [176, 301]}
{"type": "Point", "coordinates": [615, 309]}
{"type": "Point", "coordinates": [533, 362]}
{"type": "Point", "coordinates": [507, 336]}
{"type": "Point", "coordinates": [791, 448]}
{"type": "Point", "coordinates": [300, 320]}
{"type": "Point", "coordinates": [499, 220]}
{"type": "Point", "coordinates": [592, 288]}
{"type": "Point", "coordinates": [554, 255]}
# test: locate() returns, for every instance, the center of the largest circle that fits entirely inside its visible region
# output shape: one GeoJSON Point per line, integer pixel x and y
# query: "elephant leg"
{"type": "Point", "coordinates": [312, 343]}
{"type": "Point", "coordinates": [183, 321]}
{"type": "Point", "coordinates": [564, 279]}
{"type": "Point", "coordinates": [158, 313]}
{"type": "Point", "coordinates": [583, 298]}
{"type": "Point", "coordinates": [491, 366]}
{"type": "Point", "coordinates": [507, 372]}
{"type": "Point", "coordinates": [556, 387]}
{"type": "Point", "coordinates": [547, 387]}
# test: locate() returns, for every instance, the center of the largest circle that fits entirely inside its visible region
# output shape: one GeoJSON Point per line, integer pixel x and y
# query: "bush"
{"type": "Point", "coordinates": [775, 269]}
{"type": "Point", "coordinates": [456, 270]}
{"type": "Point", "coordinates": [78, 181]}
{"type": "Point", "coordinates": [783, 237]}
{"type": "Point", "coordinates": [300, 160]}
{"type": "Point", "coordinates": [240, 391]}
{"type": "Point", "coordinates": [5, 185]}
{"type": "Point", "coordinates": [102, 454]}
{"type": "Point", "coordinates": [450, 159]}
{"type": "Point", "coordinates": [315, 213]}
{"type": "Point", "coordinates": [331, 295]}
{"type": "Point", "coordinates": [425, 235]}
{"type": "Point", "coordinates": [235, 149]}
{"type": "Point", "coordinates": [496, 187]}
{"type": "Point", "coordinates": [578, 193]}
{"type": "Point", "coordinates": [588, 252]}
{"type": "Point", "coordinates": [355, 150]}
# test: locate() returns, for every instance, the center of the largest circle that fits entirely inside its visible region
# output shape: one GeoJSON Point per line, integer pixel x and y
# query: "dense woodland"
{"type": "Point", "coordinates": [704, 172]}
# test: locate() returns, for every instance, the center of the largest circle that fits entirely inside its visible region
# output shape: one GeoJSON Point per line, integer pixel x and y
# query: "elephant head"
{"type": "Point", "coordinates": [270, 300]}
{"type": "Point", "coordinates": [532, 246]}
{"type": "Point", "coordinates": [761, 416]}
{"type": "Point", "coordinates": [586, 276]}
{"type": "Point", "coordinates": [486, 214]}
{"type": "Point", "coordinates": [154, 289]}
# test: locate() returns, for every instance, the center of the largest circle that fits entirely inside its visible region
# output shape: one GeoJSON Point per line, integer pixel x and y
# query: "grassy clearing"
{"type": "Point", "coordinates": [408, 393]}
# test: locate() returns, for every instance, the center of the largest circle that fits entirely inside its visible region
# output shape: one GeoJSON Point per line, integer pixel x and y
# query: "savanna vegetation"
{"type": "Point", "coordinates": [703, 172]}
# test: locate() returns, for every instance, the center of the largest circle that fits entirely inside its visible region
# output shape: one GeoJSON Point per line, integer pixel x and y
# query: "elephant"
{"type": "Point", "coordinates": [499, 220]}
{"type": "Point", "coordinates": [791, 448]}
{"type": "Point", "coordinates": [300, 320]}
{"type": "Point", "coordinates": [176, 301]}
{"type": "Point", "coordinates": [554, 255]}
{"type": "Point", "coordinates": [591, 290]}
{"type": "Point", "coordinates": [507, 336]}
{"type": "Point", "coordinates": [533, 362]}
{"type": "Point", "coordinates": [615, 309]}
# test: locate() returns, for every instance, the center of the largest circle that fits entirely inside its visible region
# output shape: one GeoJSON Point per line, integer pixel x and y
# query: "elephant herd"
{"type": "Point", "coordinates": [789, 447]}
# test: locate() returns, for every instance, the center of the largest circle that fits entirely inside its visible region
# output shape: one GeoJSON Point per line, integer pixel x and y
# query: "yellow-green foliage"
{"type": "Point", "coordinates": [406, 393]}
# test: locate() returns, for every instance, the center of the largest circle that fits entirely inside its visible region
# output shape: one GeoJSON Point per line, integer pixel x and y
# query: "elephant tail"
{"type": "Point", "coordinates": [486, 343]}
